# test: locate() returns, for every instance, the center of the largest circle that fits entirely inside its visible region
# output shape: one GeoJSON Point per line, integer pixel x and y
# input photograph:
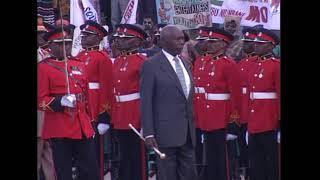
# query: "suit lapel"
{"type": "Point", "coordinates": [166, 66]}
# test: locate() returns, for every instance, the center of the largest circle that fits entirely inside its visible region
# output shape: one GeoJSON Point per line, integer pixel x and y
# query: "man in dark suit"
{"type": "Point", "coordinates": [166, 107]}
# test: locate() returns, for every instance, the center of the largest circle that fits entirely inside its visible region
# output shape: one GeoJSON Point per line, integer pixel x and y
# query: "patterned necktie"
{"type": "Point", "coordinates": [180, 75]}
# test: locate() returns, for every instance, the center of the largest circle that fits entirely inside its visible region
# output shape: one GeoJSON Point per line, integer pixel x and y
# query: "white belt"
{"type": "Point", "coordinates": [199, 90]}
{"type": "Point", "coordinates": [128, 97]}
{"type": "Point", "coordinates": [216, 96]}
{"type": "Point", "coordinates": [94, 85]}
{"type": "Point", "coordinates": [263, 95]}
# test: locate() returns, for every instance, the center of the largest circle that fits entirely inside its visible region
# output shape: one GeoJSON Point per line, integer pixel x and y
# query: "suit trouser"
{"type": "Point", "coordinates": [45, 160]}
{"type": "Point", "coordinates": [263, 155]}
{"type": "Point", "coordinates": [216, 154]}
{"type": "Point", "coordinates": [179, 162]}
{"type": "Point", "coordinates": [82, 150]}
{"type": "Point", "coordinates": [131, 164]}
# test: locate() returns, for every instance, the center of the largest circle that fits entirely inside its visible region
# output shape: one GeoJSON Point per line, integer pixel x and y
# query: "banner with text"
{"type": "Point", "coordinates": [252, 12]}
{"type": "Point", "coordinates": [187, 13]}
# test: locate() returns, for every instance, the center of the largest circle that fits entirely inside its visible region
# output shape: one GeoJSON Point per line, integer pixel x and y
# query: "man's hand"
{"type": "Point", "coordinates": [68, 100]}
{"type": "Point", "coordinates": [151, 142]}
{"type": "Point", "coordinates": [231, 137]}
{"type": "Point", "coordinates": [103, 128]}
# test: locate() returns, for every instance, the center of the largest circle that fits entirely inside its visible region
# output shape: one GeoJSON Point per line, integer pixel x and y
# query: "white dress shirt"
{"type": "Point", "coordinates": [172, 62]}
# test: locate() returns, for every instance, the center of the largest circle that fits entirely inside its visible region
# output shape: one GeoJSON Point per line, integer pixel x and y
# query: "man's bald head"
{"type": "Point", "coordinates": [172, 39]}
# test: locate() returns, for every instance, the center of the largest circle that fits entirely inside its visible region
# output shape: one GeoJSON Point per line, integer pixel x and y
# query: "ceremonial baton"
{"type": "Point", "coordinates": [162, 155]}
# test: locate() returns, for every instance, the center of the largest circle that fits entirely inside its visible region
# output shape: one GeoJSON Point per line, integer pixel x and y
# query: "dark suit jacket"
{"type": "Point", "coordinates": [166, 112]}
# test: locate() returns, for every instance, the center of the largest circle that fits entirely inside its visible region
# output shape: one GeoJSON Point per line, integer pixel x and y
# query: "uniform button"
{"type": "Point", "coordinates": [211, 62]}
{"type": "Point", "coordinates": [198, 77]}
{"type": "Point", "coordinates": [118, 93]}
{"type": "Point", "coordinates": [255, 75]}
{"type": "Point", "coordinates": [241, 69]}
{"type": "Point", "coordinates": [259, 64]}
{"type": "Point", "coordinates": [208, 84]}
{"type": "Point", "coordinates": [118, 81]}
{"type": "Point", "coordinates": [198, 97]}
{"type": "Point", "coordinates": [202, 59]}
{"type": "Point", "coordinates": [70, 74]}
{"type": "Point", "coordinates": [252, 110]}
{"type": "Point", "coordinates": [208, 106]}
{"type": "Point", "coordinates": [253, 87]}
{"type": "Point", "coordinates": [85, 53]}
{"type": "Point", "coordinates": [247, 60]}
{"type": "Point", "coordinates": [75, 85]}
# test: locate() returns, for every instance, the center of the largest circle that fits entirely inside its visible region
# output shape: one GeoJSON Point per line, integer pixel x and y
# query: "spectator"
{"type": "Point", "coordinates": [155, 48]}
{"type": "Point", "coordinates": [232, 25]}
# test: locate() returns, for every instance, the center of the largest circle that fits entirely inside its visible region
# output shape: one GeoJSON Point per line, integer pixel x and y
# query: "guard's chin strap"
{"type": "Point", "coordinates": [251, 54]}
{"type": "Point", "coordinates": [267, 55]}
{"type": "Point", "coordinates": [44, 46]}
{"type": "Point", "coordinates": [217, 53]}
{"type": "Point", "coordinates": [90, 48]}
{"type": "Point", "coordinates": [129, 52]}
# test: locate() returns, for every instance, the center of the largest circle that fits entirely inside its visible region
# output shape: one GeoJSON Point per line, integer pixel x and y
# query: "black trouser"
{"type": "Point", "coordinates": [243, 146]}
{"type": "Point", "coordinates": [199, 151]}
{"type": "Point", "coordinates": [233, 158]}
{"type": "Point", "coordinates": [263, 155]}
{"type": "Point", "coordinates": [216, 154]}
{"type": "Point", "coordinates": [98, 145]}
{"type": "Point", "coordinates": [130, 155]}
{"type": "Point", "coordinates": [179, 162]}
{"type": "Point", "coordinates": [83, 150]}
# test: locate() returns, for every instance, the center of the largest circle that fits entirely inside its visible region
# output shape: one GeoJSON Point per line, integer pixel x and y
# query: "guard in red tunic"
{"type": "Point", "coordinates": [62, 94]}
{"type": "Point", "coordinates": [222, 95]}
{"type": "Point", "coordinates": [249, 35]}
{"type": "Point", "coordinates": [200, 76]}
{"type": "Point", "coordinates": [99, 72]}
{"type": "Point", "coordinates": [264, 108]}
{"type": "Point", "coordinates": [126, 106]}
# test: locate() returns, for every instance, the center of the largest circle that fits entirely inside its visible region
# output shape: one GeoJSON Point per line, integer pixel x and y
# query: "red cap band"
{"type": "Point", "coordinates": [57, 35]}
{"type": "Point", "coordinates": [92, 28]}
{"type": "Point", "coordinates": [251, 36]}
{"type": "Point", "coordinates": [220, 36]}
{"type": "Point", "coordinates": [266, 37]}
{"type": "Point", "coordinates": [203, 33]}
{"type": "Point", "coordinates": [133, 33]}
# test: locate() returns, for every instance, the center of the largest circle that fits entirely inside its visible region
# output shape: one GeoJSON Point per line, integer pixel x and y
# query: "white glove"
{"type": "Point", "coordinates": [278, 137]}
{"type": "Point", "coordinates": [202, 138]}
{"type": "Point", "coordinates": [69, 100]}
{"type": "Point", "coordinates": [231, 137]}
{"type": "Point", "coordinates": [141, 131]}
{"type": "Point", "coordinates": [247, 137]}
{"type": "Point", "coordinates": [103, 128]}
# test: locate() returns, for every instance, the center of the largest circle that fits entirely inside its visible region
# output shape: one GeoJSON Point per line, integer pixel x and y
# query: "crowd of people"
{"type": "Point", "coordinates": [207, 99]}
